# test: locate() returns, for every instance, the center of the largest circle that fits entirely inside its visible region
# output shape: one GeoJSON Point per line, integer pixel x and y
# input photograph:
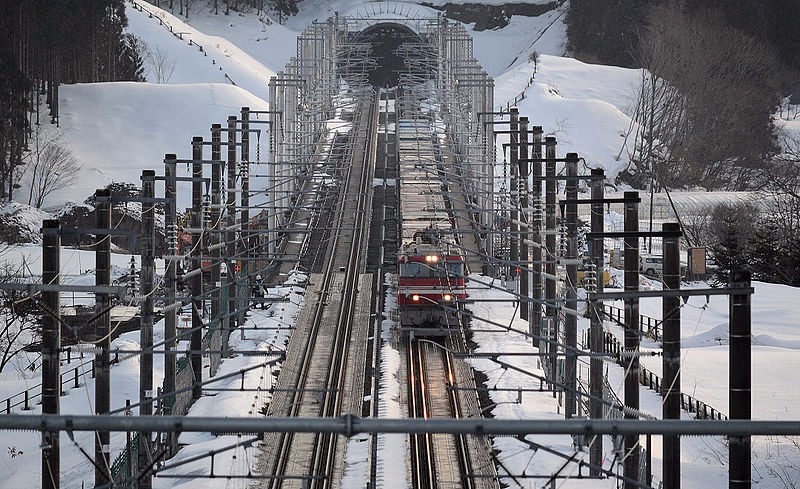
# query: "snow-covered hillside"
{"type": "Point", "coordinates": [116, 130]}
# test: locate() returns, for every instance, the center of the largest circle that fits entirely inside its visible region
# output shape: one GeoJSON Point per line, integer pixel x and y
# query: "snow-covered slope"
{"type": "Point", "coordinates": [116, 130]}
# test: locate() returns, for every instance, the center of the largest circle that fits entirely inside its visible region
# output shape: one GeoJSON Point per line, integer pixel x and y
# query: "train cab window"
{"type": "Point", "coordinates": [424, 270]}
{"type": "Point", "coordinates": [417, 270]}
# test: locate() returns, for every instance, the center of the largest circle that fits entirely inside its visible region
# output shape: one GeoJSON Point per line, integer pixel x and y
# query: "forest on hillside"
{"type": "Point", "coordinates": [717, 72]}
{"type": "Point", "coordinates": [45, 43]}
{"type": "Point", "coordinates": [610, 32]}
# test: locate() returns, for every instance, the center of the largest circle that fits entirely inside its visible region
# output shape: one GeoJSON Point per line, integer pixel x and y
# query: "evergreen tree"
{"type": "Point", "coordinates": [284, 8]}
{"type": "Point", "coordinates": [605, 31]}
{"type": "Point", "coordinates": [732, 227]}
{"type": "Point", "coordinates": [764, 253]}
{"type": "Point", "coordinates": [130, 63]}
{"type": "Point", "coordinates": [47, 42]}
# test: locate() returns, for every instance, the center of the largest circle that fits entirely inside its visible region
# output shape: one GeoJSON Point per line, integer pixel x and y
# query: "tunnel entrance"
{"type": "Point", "coordinates": [385, 38]}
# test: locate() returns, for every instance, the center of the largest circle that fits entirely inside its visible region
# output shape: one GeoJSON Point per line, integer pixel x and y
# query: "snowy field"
{"type": "Point", "coordinates": [116, 130]}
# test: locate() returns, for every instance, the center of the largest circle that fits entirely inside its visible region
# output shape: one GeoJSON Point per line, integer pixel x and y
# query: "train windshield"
{"type": "Point", "coordinates": [424, 270]}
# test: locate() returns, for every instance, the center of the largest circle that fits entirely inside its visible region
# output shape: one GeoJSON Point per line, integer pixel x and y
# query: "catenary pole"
{"type": "Point", "coordinates": [739, 397]}
{"type": "Point", "coordinates": [550, 249]}
{"type": "Point", "coordinates": [214, 236]}
{"type": "Point", "coordinates": [513, 162]}
{"type": "Point", "coordinates": [102, 394]}
{"type": "Point", "coordinates": [571, 321]}
{"type": "Point", "coordinates": [535, 313]}
{"type": "Point", "coordinates": [51, 347]}
{"type": "Point", "coordinates": [196, 341]}
{"type": "Point", "coordinates": [671, 359]}
{"type": "Point", "coordinates": [144, 453]}
{"type": "Point", "coordinates": [171, 289]}
{"type": "Point", "coordinates": [230, 234]}
{"type": "Point", "coordinates": [631, 254]}
{"type": "Point", "coordinates": [596, 318]}
{"type": "Point", "coordinates": [522, 192]}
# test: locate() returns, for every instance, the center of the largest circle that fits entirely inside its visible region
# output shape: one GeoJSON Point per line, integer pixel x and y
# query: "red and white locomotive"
{"type": "Point", "coordinates": [430, 283]}
{"type": "Point", "coordinates": [431, 270]}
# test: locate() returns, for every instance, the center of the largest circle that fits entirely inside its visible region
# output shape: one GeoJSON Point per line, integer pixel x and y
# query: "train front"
{"type": "Point", "coordinates": [430, 283]}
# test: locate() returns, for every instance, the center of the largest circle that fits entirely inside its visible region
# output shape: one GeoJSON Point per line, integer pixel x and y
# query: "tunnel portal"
{"type": "Point", "coordinates": [385, 38]}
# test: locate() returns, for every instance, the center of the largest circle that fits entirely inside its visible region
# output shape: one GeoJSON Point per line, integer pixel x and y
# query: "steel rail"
{"type": "Point", "coordinates": [285, 444]}
{"type": "Point", "coordinates": [325, 456]}
{"type": "Point", "coordinates": [462, 447]}
{"type": "Point", "coordinates": [422, 459]}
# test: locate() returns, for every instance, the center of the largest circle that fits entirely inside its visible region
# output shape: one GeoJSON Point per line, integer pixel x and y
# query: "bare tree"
{"type": "Point", "coordinates": [697, 225]}
{"type": "Point", "coordinates": [48, 166]}
{"type": "Point", "coordinates": [705, 104]}
{"type": "Point", "coordinates": [778, 456]}
{"type": "Point", "coordinates": [160, 64]}
{"type": "Point", "coordinates": [784, 174]}
{"type": "Point", "coordinates": [19, 323]}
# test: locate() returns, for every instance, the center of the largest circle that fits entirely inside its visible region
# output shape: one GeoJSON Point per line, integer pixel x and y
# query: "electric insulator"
{"type": "Point", "coordinates": [562, 243]}
{"type": "Point", "coordinates": [132, 275]}
{"type": "Point", "coordinates": [538, 212]}
{"type": "Point", "coordinates": [206, 211]}
{"type": "Point", "coordinates": [172, 236]}
{"type": "Point", "coordinates": [591, 278]}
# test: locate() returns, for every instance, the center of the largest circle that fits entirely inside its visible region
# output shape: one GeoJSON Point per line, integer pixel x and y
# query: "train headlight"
{"type": "Point", "coordinates": [447, 297]}
{"type": "Point", "coordinates": [415, 298]}
{"type": "Point", "coordinates": [431, 258]}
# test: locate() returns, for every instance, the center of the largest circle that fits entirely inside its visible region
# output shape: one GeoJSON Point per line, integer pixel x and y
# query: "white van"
{"type": "Point", "coordinates": [651, 265]}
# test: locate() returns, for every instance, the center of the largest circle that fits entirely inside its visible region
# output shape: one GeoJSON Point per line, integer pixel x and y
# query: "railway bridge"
{"type": "Point", "coordinates": [381, 134]}
{"type": "Point", "coordinates": [337, 204]}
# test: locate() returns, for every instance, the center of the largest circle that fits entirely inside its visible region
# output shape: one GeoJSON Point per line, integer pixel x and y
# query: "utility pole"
{"type": "Point", "coordinates": [596, 318]}
{"type": "Point", "coordinates": [102, 392]}
{"type": "Point", "coordinates": [196, 343]}
{"type": "Point", "coordinates": [230, 235]}
{"type": "Point", "coordinates": [170, 288]}
{"type": "Point", "coordinates": [214, 235]}
{"type": "Point", "coordinates": [671, 360]}
{"type": "Point", "coordinates": [522, 191]}
{"type": "Point", "coordinates": [51, 347]}
{"type": "Point", "coordinates": [246, 285]}
{"type": "Point", "coordinates": [550, 251]}
{"type": "Point", "coordinates": [535, 313]}
{"type": "Point", "coordinates": [570, 321]}
{"type": "Point", "coordinates": [513, 162]}
{"type": "Point", "coordinates": [739, 397]}
{"type": "Point", "coordinates": [144, 453]}
{"type": "Point", "coordinates": [631, 225]}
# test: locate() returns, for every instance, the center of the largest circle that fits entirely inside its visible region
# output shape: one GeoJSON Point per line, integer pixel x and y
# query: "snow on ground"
{"type": "Point", "coordinates": [266, 330]}
{"type": "Point", "coordinates": [584, 106]}
{"type": "Point", "coordinates": [776, 348]}
{"type": "Point", "coordinates": [204, 55]}
{"type": "Point", "coordinates": [704, 375]}
{"type": "Point", "coordinates": [116, 130]}
{"type": "Point", "coordinates": [524, 35]}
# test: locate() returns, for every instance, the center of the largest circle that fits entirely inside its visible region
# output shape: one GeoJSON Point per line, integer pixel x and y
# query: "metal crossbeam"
{"type": "Point", "coordinates": [350, 425]}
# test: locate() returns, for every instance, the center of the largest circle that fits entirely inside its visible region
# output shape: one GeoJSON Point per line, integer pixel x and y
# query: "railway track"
{"type": "Point", "coordinates": [435, 459]}
{"type": "Point", "coordinates": [318, 379]}
{"type": "Point", "coordinates": [332, 356]}
{"type": "Point", "coordinates": [435, 390]}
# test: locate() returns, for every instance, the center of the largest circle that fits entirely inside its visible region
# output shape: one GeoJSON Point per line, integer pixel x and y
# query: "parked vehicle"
{"type": "Point", "coordinates": [651, 265]}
